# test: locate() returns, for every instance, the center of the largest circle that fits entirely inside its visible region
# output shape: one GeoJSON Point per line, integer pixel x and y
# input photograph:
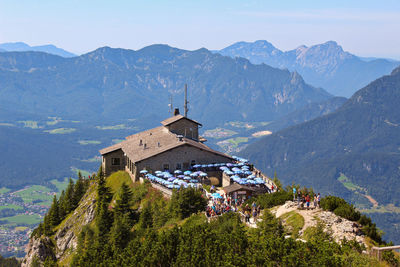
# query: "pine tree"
{"type": "Point", "coordinates": [124, 200]}
{"type": "Point", "coordinates": [104, 216]}
{"type": "Point", "coordinates": [79, 191]}
{"type": "Point", "coordinates": [68, 199]}
{"type": "Point", "coordinates": [277, 182]}
{"type": "Point", "coordinates": [146, 217]}
{"type": "Point", "coordinates": [120, 232]}
{"type": "Point", "coordinates": [61, 209]}
{"type": "Point", "coordinates": [54, 218]}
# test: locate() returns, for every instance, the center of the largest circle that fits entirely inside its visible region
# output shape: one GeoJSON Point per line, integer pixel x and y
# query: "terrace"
{"type": "Point", "coordinates": [240, 172]}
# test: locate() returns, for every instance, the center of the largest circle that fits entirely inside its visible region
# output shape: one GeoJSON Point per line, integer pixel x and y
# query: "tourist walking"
{"type": "Point", "coordinates": [315, 200]}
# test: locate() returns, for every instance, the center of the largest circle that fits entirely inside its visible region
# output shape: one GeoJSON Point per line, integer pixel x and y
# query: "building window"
{"type": "Point", "coordinates": [193, 163]}
{"type": "Point", "coordinates": [115, 161]}
{"type": "Point", "coordinates": [166, 167]}
{"type": "Point", "coordinates": [179, 166]}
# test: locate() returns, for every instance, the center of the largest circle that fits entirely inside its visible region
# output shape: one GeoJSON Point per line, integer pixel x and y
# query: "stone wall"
{"type": "Point", "coordinates": [183, 155]}
{"type": "Point", "coordinates": [226, 179]}
{"type": "Point", "coordinates": [186, 128]}
{"type": "Point", "coordinates": [108, 168]}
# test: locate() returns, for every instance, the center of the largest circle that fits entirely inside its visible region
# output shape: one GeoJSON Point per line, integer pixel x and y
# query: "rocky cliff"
{"type": "Point", "coordinates": [61, 245]}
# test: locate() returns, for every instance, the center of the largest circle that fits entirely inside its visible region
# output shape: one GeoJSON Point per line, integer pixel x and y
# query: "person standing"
{"type": "Point", "coordinates": [319, 200]}
{"type": "Point", "coordinates": [308, 201]}
{"type": "Point", "coordinates": [315, 200]}
{"type": "Point", "coordinates": [294, 193]}
{"type": "Point", "coordinates": [298, 199]}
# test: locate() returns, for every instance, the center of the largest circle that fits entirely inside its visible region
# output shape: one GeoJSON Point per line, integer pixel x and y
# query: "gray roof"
{"type": "Point", "coordinates": [236, 187]}
{"type": "Point", "coordinates": [157, 141]}
{"type": "Point", "coordinates": [177, 118]}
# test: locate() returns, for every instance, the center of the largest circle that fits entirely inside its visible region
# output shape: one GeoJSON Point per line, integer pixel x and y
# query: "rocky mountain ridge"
{"type": "Point", "coordinates": [107, 83]}
{"type": "Point", "coordinates": [326, 65]}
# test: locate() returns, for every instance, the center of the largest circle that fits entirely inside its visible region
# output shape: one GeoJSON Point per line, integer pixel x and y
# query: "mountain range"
{"type": "Point", "coordinates": [20, 46]}
{"type": "Point", "coordinates": [114, 84]}
{"type": "Point", "coordinates": [324, 65]}
{"type": "Point", "coordinates": [353, 152]}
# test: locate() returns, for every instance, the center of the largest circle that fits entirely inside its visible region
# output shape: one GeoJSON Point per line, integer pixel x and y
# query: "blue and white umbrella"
{"type": "Point", "coordinates": [177, 171]}
{"type": "Point", "coordinates": [143, 171]}
{"type": "Point", "coordinates": [187, 172]}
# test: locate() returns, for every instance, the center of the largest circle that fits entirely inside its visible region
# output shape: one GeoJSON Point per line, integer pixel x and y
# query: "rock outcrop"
{"type": "Point", "coordinates": [339, 228]}
{"type": "Point", "coordinates": [38, 250]}
{"type": "Point", "coordinates": [60, 246]}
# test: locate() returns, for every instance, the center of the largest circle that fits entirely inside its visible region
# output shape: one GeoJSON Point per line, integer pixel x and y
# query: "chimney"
{"type": "Point", "coordinates": [180, 137]}
{"type": "Point", "coordinates": [140, 142]}
{"type": "Point", "coordinates": [144, 146]}
{"type": "Point", "coordinates": [176, 111]}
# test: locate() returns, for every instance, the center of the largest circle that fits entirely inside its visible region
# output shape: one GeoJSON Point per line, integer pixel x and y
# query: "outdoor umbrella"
{"type": "Point", "coordinates": [143, 171]}
{"type": "Point", "coordinates": [216, 195]}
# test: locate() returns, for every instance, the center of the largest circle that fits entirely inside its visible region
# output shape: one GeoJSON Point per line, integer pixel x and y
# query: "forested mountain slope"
{"type": "Point", "coordinates": [109, 84]}
{"type": "Point", "coordinates": [353, 152]}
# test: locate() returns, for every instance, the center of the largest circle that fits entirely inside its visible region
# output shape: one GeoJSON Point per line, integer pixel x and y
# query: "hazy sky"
{"type": "Point", "coordinates": [366, 28]}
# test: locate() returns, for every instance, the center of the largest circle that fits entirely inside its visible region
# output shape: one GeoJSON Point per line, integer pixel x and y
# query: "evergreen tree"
{"type": "Point", "coordinates": [104, 216]}
{"type": "Point", "coordinates": [277, 182]}
{"type": "Point", "coordinates": [79, 191]}
{"type": "Point", "coordinates": [124, 200]}
{"type": "Point", "coordinates": [68, 199]}
{"type": "Point", "coordinates": [146, 217]}
{"type": "Point", "coordinates": [54, 217]}
{"type": "Point", "coordinates": [61, 210]}
{"type": "Point", "coordinates": [120, 232]}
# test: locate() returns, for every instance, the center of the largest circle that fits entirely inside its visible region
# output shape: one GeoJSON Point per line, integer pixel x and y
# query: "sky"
{"type": "Point", "coordinates": [365, 28]}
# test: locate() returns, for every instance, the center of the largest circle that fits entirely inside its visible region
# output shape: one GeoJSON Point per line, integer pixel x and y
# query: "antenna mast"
{"type": "Point", "coordinates": [186, 102]}
{"type": "Point", "coordinates": [170, 105]}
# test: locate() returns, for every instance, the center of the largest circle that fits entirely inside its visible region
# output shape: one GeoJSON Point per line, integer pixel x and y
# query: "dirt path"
{"type": "Point", "coordinates": [373, 201]}
{"type": "Point", "coordinates": [308, 215]}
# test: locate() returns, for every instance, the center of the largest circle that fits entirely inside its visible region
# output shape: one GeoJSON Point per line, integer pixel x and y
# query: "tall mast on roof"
{"type": "Point", "coordinates": [170, 105]}
{"type": "Point", "coordinates": [186, 102]}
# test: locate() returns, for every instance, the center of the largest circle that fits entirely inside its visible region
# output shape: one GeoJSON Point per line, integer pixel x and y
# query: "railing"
{"type": "Point", "coordinates": [377, 251]}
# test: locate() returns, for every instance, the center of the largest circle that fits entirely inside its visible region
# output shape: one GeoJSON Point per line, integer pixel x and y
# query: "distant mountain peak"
{"type": "Point", "coordinates": [325, 65]}
{"type": "Point", "coordinates": [48, 48]}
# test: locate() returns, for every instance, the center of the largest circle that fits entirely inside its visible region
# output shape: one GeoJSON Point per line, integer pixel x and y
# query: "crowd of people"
{"type": "Point", "coordinates": [219, 206]}
{"type": "Point", "coordinates": [304, 200]}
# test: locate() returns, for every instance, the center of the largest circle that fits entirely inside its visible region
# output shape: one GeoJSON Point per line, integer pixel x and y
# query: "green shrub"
{"type": "Point", "coordinates": [347, 211]}
{"type": "Point", "coordinates": [270, 200]}
{"type": "Point", "coordinates": [331, 203]}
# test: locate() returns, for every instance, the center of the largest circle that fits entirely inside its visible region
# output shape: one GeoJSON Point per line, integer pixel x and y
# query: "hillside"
{"type": "Point", "coordinates": [133, 224]}
{"type": "Point", "coordinates": [353, 152]}
{"type": "Point", "coordinates": [232, 137]}
{"type": "Point", "coordinates": [109, 84]}
{"type": "Point", "coordinates": [325, 65]}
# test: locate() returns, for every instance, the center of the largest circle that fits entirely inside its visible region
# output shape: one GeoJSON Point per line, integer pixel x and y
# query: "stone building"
{"type": "Point", "coordinates": [176, 145]}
